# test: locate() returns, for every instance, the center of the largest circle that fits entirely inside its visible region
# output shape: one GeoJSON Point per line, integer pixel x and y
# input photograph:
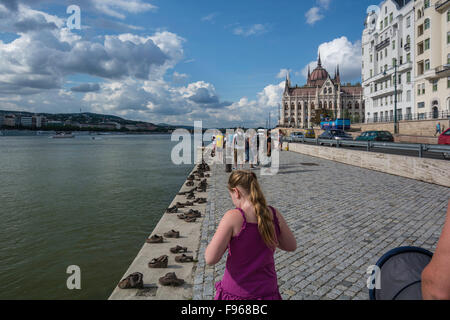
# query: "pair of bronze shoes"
{"type": "Point", "coordinates": [172, 234]}
{"type": "Point", "coordinates": [192, 214]}
{"type": "Point", "coordinates": [133, 281]}
{"type": "Point", "coordinates": [159, 239]}
{"type": "Point", "coordinates": [173, 209]}
{"type": "Point", "coordinates": [171, 279]}
{"type": "Point", "coordinates": [200, 200]}
{"type": "Point", "coordinates": [160, 262]}
{"type": "Point", "coordinates": [155, 239]}
{"type": "Point", "coordinates": [187, 204]}
{"type": "Point", "coordinates": [190, 183]}
{"type": "Point", "coordinates": [184, 258]}
{"type": "Point", "coordinates": [190, 196]}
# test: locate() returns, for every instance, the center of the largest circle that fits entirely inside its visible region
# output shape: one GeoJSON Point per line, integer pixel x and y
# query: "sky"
{"type": "Point", "coordinates": [168, 61]}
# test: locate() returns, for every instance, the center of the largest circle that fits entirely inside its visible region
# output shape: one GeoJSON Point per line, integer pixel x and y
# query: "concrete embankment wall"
{"type": "Point", "coordinates": [427, 170]}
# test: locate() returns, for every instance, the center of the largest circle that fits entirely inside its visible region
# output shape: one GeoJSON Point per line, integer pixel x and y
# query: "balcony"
{"type": "Point", "coordinates": [443, 71]}
{"type": "Point", "coordinates": [386, 92]}
{"type": "Point", "coordinates": [442, 5]}
{"type": "Point", "coordinates": [404, 67]}
{"type": "Point", "coordinates": [383, 44]}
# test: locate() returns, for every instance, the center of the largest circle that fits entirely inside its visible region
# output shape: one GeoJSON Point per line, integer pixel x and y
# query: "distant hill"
{"type": "Point", "coordinates": [83, 118]}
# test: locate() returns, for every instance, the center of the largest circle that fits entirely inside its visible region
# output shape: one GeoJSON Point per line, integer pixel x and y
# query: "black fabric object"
{"type": "Point", "coordinates": [401, 274]}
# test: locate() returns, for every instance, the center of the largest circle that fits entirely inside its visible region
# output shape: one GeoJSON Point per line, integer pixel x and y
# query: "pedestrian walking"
{"type": "Point", "coordinates": [438, 129]}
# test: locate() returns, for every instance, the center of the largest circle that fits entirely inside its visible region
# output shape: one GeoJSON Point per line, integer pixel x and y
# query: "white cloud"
{"type": "Point", "coordinates": [127, 73]}
{"type": "Point", "coordinates": [283, 73]}
{"type": "Point", "coordinates": [340, 52]}
{"type": "Point", "coordinates": [210, 17]}
{"type": "Point", "coordinates": [313, 15]}
{"type": "Point", "coordinates": [255, 29]}
{"type": "Point", "coordinates": [115, 8]}
{"type": "Point", "coordinates": [324, 3]}
{"type": "Point", "coordinates": [316, 13]}
{"type": "Point", "coordinates": [179, 77]}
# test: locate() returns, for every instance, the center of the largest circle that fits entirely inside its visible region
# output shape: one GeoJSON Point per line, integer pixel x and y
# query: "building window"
{"type": "Point", "coordinates": [420, 30]}
{"type": "Point", "coordinates": [381, 24]}
{"type": "Point", "coordinates": [393, 44]}
{"type": "Point", "coordinates": [420, 48]}
{"type": "Point", "coordinates": [421, 105]}
{"type": "Point", "coordinates": [420, 68]}
{"type": "Point", "coordinates": [408, 22]}
{"type": "Point", "coordinates": [448, 37]}
{"type": "Point", "coordinates": [427, 65]}
{"type": "Point", "coordinates": [435, 85]}
{"type": "Point", "coordinates": [408, 77]}
{"type": "Point", "coordinates": [427, 42]}
{"type": "Point", "coordinates": [408, 57]}
{"type": "Point", "coordinates": [394, 62]}
{"type": "Point", "coordinates": [427, 24]}
{"type": "Point", "coordinates": [386, 21]}
{"type": "Point", "coordinates": [448, 16]}
{"type": "Point", "coordinates": [371, 58]}
{"type": "Point", "coordinates": [448, 83]}
{"type": "Point", "coordinates": [426, 4]}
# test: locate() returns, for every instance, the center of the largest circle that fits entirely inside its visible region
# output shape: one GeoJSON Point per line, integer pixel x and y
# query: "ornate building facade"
{"type": "Point", "coordinates": [300, 104]}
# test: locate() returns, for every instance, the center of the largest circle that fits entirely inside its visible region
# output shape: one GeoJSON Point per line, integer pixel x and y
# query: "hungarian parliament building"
{"type": "Point", "coordinates": [321, 92]}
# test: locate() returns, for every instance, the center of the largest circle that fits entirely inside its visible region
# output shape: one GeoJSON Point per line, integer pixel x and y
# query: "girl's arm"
{"type": "Point", "coordinates": [219, 242]}
{"type": "Point", "coordinates": [436, 276]}
{"type": "Point", "coordinates": [286, 240]}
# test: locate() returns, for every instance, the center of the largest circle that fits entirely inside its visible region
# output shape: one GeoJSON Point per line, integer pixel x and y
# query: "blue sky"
{"type": "Point", "coordinates": [222, 62]}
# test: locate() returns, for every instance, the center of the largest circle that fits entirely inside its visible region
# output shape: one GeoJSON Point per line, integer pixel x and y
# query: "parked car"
{"type": "Point", "coordinates": [297, 135]}
{"type": "Point", "coordinates": [444, 138]}
{"type": "Point", "coordinates": [335, 135]}
{"type": "Point", "coordinates": [309, 133]}
{"type": "Point", "coordinates": [384, 136]}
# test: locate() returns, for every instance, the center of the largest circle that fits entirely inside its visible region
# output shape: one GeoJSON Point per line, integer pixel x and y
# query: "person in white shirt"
{"type": "Point", "coordinates": [239, 149]}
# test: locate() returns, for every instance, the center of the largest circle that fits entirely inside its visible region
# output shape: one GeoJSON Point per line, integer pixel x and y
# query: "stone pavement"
{"type": "Point", "coordinates": [344, 219]}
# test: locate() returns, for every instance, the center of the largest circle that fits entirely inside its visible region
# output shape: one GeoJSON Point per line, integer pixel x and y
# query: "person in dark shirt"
{"type": "Point", "coordinates": [269, 147]}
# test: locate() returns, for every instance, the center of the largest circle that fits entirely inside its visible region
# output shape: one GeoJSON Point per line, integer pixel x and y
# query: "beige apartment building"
{"type": "Point", "coordinates": [432, 58]}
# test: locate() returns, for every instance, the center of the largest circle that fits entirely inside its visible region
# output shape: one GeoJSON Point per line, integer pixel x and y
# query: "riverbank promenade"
{"type": "Point", "coordinates": [344, 219]}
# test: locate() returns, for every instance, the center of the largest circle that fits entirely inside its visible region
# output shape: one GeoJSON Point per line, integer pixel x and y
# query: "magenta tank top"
{"type": "Point", "coordinates": [250, 269]}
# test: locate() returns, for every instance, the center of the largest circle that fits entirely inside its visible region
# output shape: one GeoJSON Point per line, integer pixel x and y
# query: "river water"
{"type": "Point", "coordinates": [84, 202]}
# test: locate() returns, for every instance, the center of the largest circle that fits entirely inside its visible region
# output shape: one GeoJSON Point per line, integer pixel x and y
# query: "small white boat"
{"type": "Point", "coordinates": [63, 135]}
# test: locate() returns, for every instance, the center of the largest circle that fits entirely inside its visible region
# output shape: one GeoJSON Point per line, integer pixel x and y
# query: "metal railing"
{"type": "Point", "coordinates": [441, 115]}
{"type": "Point", "coordinates": [370, 145]}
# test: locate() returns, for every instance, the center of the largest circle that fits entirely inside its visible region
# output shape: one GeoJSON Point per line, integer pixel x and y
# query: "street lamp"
{"type": "Point", "coordinates": [395, 97]}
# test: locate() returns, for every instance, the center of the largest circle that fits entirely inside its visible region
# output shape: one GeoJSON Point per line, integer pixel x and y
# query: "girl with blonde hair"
{"type": "Point", "coordinates": [251, 233]}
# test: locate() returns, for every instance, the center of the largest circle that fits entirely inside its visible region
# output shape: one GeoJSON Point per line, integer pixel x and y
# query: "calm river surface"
{"type": "Point", "coordinates": [84, 202]}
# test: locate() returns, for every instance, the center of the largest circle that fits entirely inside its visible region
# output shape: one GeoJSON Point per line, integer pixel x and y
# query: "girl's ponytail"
{"type": "Point", "coordinates": [249, 182]}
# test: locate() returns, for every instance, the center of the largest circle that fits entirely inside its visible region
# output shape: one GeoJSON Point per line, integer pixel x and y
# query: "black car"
{"type": "Point", "coordinates": [384, 136]}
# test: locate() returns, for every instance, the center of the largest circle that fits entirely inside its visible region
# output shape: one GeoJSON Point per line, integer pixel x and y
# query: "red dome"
{"type": "Point", "coordinates": [319, 74]}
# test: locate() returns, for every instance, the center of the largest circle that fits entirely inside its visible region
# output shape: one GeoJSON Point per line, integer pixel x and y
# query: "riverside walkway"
{"type": "Point", "coordinates": [344, 219]}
